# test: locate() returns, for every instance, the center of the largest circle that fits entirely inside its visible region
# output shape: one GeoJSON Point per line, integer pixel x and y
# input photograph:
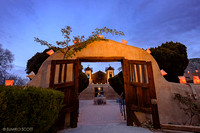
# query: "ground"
{"type": "Point", "coordinates": [102, 119]}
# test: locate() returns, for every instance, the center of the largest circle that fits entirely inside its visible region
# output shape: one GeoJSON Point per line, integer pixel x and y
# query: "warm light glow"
{"type": "Point", "coordinates": [101, 36]}
{"type": "Point", "coordinates": [124, 41]}
{"type": "Point", "coordinates": [74, 42]}
{"type": "Point", "coordinates": [196, 80]}
{"type": "Point", "coordinates": [163, 72]}
{"type": "Point", "coordinates": [148, 51]}
{"type": "Point", "coordinates": [50, 52]}
{"type": "Point", "coordinates": [188, 71]}
{"type": "Point", "coordinates": [99, 88]}
{"type": "Point", "coordinates": [9, 82]}
{"type": "Point", "coordinates": [196, 71]}
{"type": "Point", "coordinates": [31, 75]}
{"type": "Point", "coordinates": [182, 79]}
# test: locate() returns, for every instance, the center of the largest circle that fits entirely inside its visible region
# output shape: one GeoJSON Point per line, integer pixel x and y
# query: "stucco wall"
{"type": "Point", "coordinates": [167, 107]}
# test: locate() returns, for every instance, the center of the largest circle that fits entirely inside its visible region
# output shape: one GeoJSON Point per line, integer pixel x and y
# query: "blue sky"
{"type": "Point", "coordinates": [146, 23]}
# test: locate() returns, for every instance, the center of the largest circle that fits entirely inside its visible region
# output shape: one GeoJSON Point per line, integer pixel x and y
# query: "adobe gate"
{"type": "Point", "coordinates": [139, 88]}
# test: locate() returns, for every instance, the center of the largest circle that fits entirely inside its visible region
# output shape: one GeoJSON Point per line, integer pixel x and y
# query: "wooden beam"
{"type": "Point", "coordinates": [65, 73]}
{"type": "Point", "coordinates": [181, 127]}
{"type": "Point", "coordinates": [135, 119]}
{"type": "Point", "coordinates": [137, 62]}
{"type": "Point", "coordinates": [125, 68]}
{"type": "Point", "coordinates": [52, 74]}
{"type": "Point", "coordinates": [155, 115]}
{"type": "Point", "coordinates": [100, 59]}
{"type": "Point", "coordinates": [65, 85]}
{"type": "Point", "coordinates": [60, 73]}
{"type": "Point", "coordinates": [141, 109]}
{"type": "Point", "coordinates": [136, 84]}
{"type": "Point", "coordinates": [74, 114]}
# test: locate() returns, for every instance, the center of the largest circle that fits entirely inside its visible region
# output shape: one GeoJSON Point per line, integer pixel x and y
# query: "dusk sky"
{"type": "Point", "coordinates": [146, 23]}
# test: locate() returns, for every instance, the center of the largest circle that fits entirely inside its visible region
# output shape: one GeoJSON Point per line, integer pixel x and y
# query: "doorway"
{"type": "Point", "coordinates": [140, 93]}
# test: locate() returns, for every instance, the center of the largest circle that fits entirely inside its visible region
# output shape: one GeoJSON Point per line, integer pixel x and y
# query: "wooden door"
{"type": "Point", "coordinates": [140, 92]}
{"type": "Point", "coordinates": [64, 76]}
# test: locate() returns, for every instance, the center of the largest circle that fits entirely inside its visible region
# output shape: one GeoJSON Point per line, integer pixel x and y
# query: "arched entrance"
{"type": "Point", "coordinates": [139, 87]}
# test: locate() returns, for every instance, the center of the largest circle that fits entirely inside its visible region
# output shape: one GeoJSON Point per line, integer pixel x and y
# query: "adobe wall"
{"type": "Point", "coordinates": [169, 111]}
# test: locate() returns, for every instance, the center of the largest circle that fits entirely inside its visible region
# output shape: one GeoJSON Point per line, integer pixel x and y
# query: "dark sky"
{"type": "Point", "coordinates": [146, 23]}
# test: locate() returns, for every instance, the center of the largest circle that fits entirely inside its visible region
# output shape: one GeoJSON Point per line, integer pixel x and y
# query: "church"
{"type": "Point", "coordinates": [99, 84]}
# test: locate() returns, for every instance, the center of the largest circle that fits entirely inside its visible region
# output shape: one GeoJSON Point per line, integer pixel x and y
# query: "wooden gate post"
{"type": "Point", "coordinates": [155, 115]}
{"type": "Point", "coordinates": [74, 114]}
{"type": "Point", "coordinates": [126, 87]}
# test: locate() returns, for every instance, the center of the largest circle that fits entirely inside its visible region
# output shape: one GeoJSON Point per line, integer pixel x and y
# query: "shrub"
{"type": "Point", "coordinates": [32, 107]}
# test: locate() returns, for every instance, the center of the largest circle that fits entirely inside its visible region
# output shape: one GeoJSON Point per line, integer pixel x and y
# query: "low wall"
{"type": "Point", "coordinates": [168, 107]}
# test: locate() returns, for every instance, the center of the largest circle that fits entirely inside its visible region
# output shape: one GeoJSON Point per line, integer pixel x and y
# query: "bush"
{"type": "Point", "coordinates": [83, 81]}
{"type": "Point", "coordinates": [117, 83]}
{"type": "Point", "coordinates": [32, 107]}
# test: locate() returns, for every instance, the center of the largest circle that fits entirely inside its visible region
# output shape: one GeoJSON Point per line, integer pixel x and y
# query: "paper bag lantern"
{"type": "Point", "coordinates": [163, 72]}
{"type": "Point", "coordinates": [124, 41]}
{"type": "Point", "coordinates": [182, 79]}
{"type": "Point", "coordinates": [9, 82]}
{"type": "Point", "coordinates": [196, 80]}
{"type": "Point", "coordinates": [148, 51]}
{"type": "Point", "coordinates": [31, 75]}
{"type": "Point", "coordinates": [74, 42]}
{"type": "Point", "coordinates": [50, 52]}
{"type": "Point", "coordinates": [101, 36]}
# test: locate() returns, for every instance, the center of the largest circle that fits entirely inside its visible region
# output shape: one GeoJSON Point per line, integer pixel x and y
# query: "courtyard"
{"type": "Point", "coordinates": [102, 119]}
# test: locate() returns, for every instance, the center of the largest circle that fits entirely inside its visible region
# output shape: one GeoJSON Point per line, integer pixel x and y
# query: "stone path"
{"type": "Point", "coordinates": [102, 119]}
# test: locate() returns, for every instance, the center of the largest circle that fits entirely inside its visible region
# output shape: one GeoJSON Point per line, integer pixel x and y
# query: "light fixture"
{"type": "Point", "coordinates": [148, 51]}
{"type": "Point", "coordinates": [9, 82]}
{"type": "Point", "coordinates": [31, 75]}
{"type": "Point", "coordinates": [182, 79]}
{"type": "Point", "coordinates": [196, 80]}
{"type": "Point", "coordinates": [101, 36]}
{"type": "Point", "coordinates": [196, 71]}
{"type": "Point", "coordinates": [163, 72]}
{"type": "Point", "coordinates": [50, 52]}
{"type": "Point", "coordinates": [124, 41]}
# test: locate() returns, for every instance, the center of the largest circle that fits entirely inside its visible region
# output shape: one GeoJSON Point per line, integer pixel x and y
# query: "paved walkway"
{"type": "Point", "coordinates": [102, 119]}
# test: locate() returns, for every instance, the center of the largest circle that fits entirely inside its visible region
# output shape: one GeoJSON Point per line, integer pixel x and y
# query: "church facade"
{"type": "Point", "coordinates": [99, 85]}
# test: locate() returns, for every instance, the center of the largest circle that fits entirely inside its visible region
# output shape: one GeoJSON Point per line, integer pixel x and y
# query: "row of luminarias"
{"type": "Point", "coordinates": [182, 79]}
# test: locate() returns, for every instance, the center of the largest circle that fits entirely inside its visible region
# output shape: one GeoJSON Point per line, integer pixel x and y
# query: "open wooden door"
{"type": "Point", "coordinates": [140, 92]}
{"type": "Point", "coordinates": [64, 76]}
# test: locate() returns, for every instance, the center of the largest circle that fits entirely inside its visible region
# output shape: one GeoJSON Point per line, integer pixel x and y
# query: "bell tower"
{"type": "Point", "coordinates": [88, 72]}
{"type": "Point", "coordinates": [109, 72]}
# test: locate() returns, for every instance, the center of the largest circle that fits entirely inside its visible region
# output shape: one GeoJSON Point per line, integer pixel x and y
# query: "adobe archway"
{"type": "Point", "coordinates": [167, 108]}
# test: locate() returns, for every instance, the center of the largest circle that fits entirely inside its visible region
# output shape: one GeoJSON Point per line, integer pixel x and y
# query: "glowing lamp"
{"type": "Point", "coordinates": [50, 52]}
{"type": "Point", "coordinates": [148, 51]}
{"type": "Point", "coordinates": [182, 79]}
{"type": "Point", "coordinates": [188, 71]}
{"type": "Point", "coordinates": [31, 75]}
{"type": "Point", "coordinates": [124, 41]}
{"type": "Point", "coordinates": [101, 36]}
{"type": "Point", "coordinates": [74, 42]}
{"type": "Point", "coordinates": [163, 72]}
{"type": "Point", "coordinates": [196, 71]}
{"type": "Point", "coordinates": [9, 82]}
{"type": "Point", "coordinates": [196, 80]}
